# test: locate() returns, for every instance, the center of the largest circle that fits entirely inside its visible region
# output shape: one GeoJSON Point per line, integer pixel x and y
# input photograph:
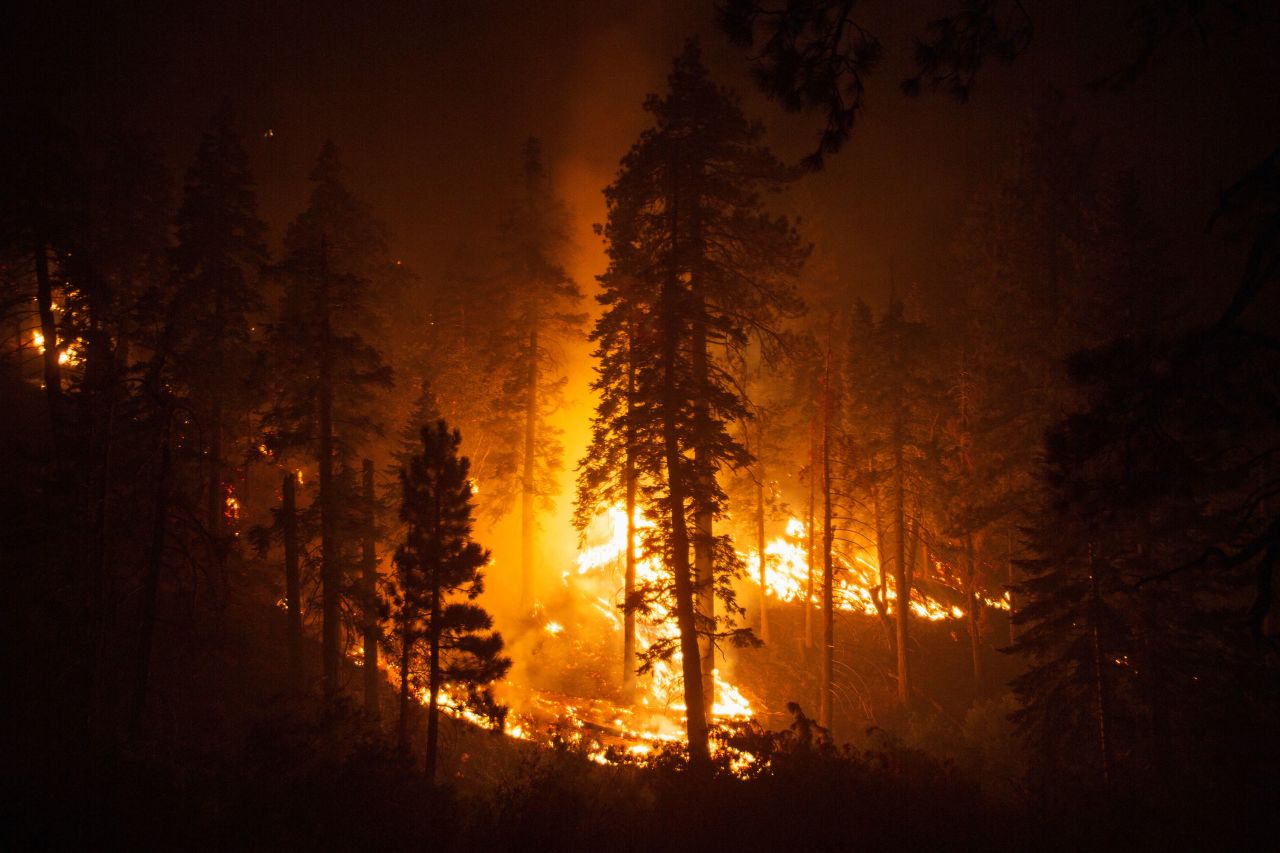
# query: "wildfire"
{"type": "Point", "coordinates": [607, 732]}
{"type": "Point", "coordinates": [665, 687]}
{"type": "Point", "coordinates": [70, 354]}
{"type": "Point", "coordinates": [855, 586]}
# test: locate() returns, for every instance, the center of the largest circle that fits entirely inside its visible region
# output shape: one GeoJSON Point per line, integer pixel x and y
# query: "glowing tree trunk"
{"type": "Point", "coordinates": [970, 559]}
{"type": "Point", "coordinates": [880, 595]}
{"type": "Point", "coordinates": [369, 598]}
{"type": "Point", "coordinates": [810, 537]}
{"type": "Point", "coordinates": [760, 510]}
{"type": "Point", "coordinates": [975, 605]}
{"type": "Point", "coordinates": [292, 579]}
{"type": "Point", "coordinates": [629, 576]}
{"type": "Point", "coordinates": [704, 563]}
{"type": "Point", "coordinates": [902, 586]}
{"type": "Point", "coordinates": [828, 541]}
{"type": "Point", "coordinates": [527, 496]}
{"type": "Point", "coordinates": [330, 571]}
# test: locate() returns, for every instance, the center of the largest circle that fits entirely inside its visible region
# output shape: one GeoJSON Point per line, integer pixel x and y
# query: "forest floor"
{"type": "Point", "coordinates": [229, 760]}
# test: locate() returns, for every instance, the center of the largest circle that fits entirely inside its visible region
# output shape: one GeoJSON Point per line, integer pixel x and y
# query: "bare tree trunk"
{"type": "Point", "coordinates": [703, 539]}
{"type": "Point", "coordinates": [292, 579]}
{"type": "Point", "coordinates": [151, 581]}
{"type": "Point", "coordinates": [975, 612]}
{"type": "Point", "coordinates": [759, 527]}
{"type": "Point", "coordinates": [433, 706]}
{"type": "Point", "coordinates": [369, 599]}
{"type": "Point", "coordinates": [100, 559]}
{"type": "Point", "coordinates": [1013, 633]}
{"type": "Point", "coordinates": [629, 575]}
{"type": "Point", "coordinates": [686, 620]}
{"type": "Point", "coordinates": [764, 559]}
{"type": "Point", "coordinates": [406, 652]}
{"type": "Point", "coordinates": [881, 593]}
{"type": "Point", "coordinates": [1100, 688]}
{"type": "Point", "coordinates": [827, 689]}
{"type": "Point", "coordinates": [901, 582]}
{"type": "Point", "coordinates": [810, 549]}
{"type": "Point", "coordinates": [330, 570]}
{"type": "Point", "coordinates": [527, 496]}
{"type": "Point", "coordinates": [215, 500]}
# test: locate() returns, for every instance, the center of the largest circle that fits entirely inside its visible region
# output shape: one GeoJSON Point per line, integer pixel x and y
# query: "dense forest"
{"type": "Point", "coordinates": [322, 531]}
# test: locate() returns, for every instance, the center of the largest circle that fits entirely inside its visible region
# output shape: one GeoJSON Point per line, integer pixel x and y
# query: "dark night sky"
{"type": "Point", "coordinates": [431, 102]}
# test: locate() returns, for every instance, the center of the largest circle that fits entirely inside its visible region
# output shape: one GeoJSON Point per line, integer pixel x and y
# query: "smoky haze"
{"type": "Point", "coordinates": [431, 102]}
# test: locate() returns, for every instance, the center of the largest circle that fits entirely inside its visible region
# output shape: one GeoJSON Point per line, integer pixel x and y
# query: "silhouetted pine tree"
{"type": "Point", "coordinates": [437, 580]}
{"type": "Point", "coordinates": [1131, 625]}
{"type": "Point", "coordinates": [218, 263]}
{"type": "Point", "coordinates": [327, 372]}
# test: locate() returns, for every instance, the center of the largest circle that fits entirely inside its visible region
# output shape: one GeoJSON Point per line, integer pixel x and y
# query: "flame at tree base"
{"type": "Point", "coordinates": [612, 730]}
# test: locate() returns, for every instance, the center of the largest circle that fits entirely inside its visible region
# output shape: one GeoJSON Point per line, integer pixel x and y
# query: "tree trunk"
{"type": "Point", "coordinates": [330, 570]}
{"type": "Point", "coordinates": [1013, 631]}
{"type": "Point", "coordinates": [215, 500]}
{"type": "Point", "coordinates": [703, 539]}
{"type": "Point", "coordinates": [527, 496]}
{"type": "Point", "coordinates": [975, 612]}
{"type": "Point", "coordinates": [811, 542]}
{"type": "Point", "coordinates": [881, 594]}
{"type": "Point", "coordinates": [827, 690]}
{"type": "Point", "coordinates": [686, 620]}
{"type": "Point", "coordinates": [100, 559]}
{"type": "Point", "coordinates": [764, 564]}
{"type": "Point", "coordinates": [406, 651]}
{"type": "Point", "coordinates": [433, 706]}
{"type": "Point", "coordinates": [1100, 687]}
{"type": "Point", "coordinates": [151, 581]}
{"type": "Point", "coordinates": [901, 583]}
{"type": "Point", "coordinates": [292, 579]}
{"type": "Point", "coordinates": [369, 599]}
{"type": "Point", "coordinates": [629, 575]}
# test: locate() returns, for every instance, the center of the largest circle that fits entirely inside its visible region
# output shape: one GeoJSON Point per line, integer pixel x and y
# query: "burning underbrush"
{"type": "Point", "coordinates": [568, 688]}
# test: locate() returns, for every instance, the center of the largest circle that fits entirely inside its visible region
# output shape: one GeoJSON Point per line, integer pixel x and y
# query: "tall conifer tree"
{"type": "Point", "coordinates": [327, 370]}
{"type": "Point", "coordinates": [438, 578]}
{"type": "Point", "coordinates": [695, 263]}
